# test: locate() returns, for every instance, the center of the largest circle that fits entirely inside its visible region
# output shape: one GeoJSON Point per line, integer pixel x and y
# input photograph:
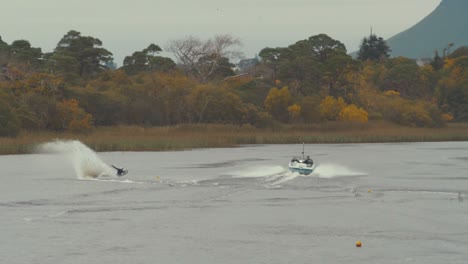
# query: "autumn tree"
{"type": "Point", "coordinates": [452, 89]}
{"type": "Point", "coordinates": [412, 112]}
{"type": "Point", "coordinates": [211, 104]}
{"type": "Point", "coordinates": [354, 114]}
{"type": "Point", "coordinates": [71, 88]}
{"type": "Point", "coordinates": [33, 97]}
{"type": "Point", "coordinates": [108, 108]}
{"type": "Point", "coordinates": [392, 107]}
{"type": "Point", "coordinates": [256, 117]}
{"type": "Point", "coordinates": [72, 117]}
{"type": "Point", "coordinates": [373, 48]}
{"type": "Point", "coordinates": [173, 95]}
{"type": "Point", "coordinates": [331, 107]}
{"type": "Point", "coordinates": [294, 112]}
{"type": "Point", "coordinates": [49, 85]}
{"type": "Point", "coordinates": [106, 97]}
{"type": "Point", "coordinates": [404, 76]}
{"type": "Point", "coordinates": [277, 103]}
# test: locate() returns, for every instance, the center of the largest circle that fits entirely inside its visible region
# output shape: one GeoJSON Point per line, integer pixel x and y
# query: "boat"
{"type": "Point", "coordinates": [303, 165]}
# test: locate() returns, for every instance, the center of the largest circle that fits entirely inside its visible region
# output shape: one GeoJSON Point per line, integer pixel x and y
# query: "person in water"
{"type": "Point", "coordinates": [120, 172]}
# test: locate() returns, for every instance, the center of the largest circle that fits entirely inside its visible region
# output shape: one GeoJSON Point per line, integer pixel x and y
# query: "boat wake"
{"type": "Point", "coordinates": [272, 175]}
{"type": "Point", "coordinates": [86, 162]}
{"type": "Point", "coordinates": [259, 172]}
{"type": "Point", "coordinates": [285, 177]}
{"type": "Point", "coordinates": [109, 179]}
{"type": "Point", "coordinates": [277, 175]}
{"type": "Point", "coordinates": [333, 170]}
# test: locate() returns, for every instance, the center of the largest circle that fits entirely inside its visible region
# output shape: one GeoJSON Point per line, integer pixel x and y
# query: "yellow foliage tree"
{"type": "Point", "coordinates": [277, 102]}
{"type": "Point", "coordinates": [237, 81]}
{"type": "Point", "coordinates": [211, 104]}
{"type": "Point", "coordinates": [73, 117]}
{"type": "Point", "coordinates": [354, 114]}
{"type": "Point", "coordinates": [392, 93]}
{"type": "Point", "coordinates": [452, 90]}
{"type": "Point", "coordinates": [447, 117]}
{"type": "Point", "coordinates": [330, 107]}
{"type": "Point", "coordinates": [294, 112]}
{"type": "Point", "coordinates": [174, 89]}
{"type": "Point", "coordinates": [111, 80]}
{"type": "Point", "coordinates": [428, 76]}
{"type": "Point", "coordinates": [45, 84]}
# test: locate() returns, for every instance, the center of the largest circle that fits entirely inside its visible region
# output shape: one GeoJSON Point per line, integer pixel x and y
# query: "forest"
{"type": "Point", "coordinates": [77, 87]}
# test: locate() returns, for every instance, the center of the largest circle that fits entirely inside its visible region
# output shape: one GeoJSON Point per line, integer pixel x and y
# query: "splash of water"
{"type": "Point", "coordinates": [259, 171]}
{"type": "Point", "coordinates": [273, 175]}
{"type": "Point", "coordinates": [334, 170]}
{"type": "Point", "coordinates": [85, 161]}
{"type": "Point", "coordinates": [321, 171]}
{"type": "Point", "coordinates": [285, 177]}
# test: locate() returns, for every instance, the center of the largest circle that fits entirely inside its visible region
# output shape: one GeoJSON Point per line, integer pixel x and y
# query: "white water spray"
{"type": "Point", "coordinates": [285, 177]}
{"type": "Point", "coordinates": [333, 170]}
{"type": "Point", "coordinates": [273, 175]}
{"type": "Point", "coordinates": [259, 172]}
{"type": "Point", "coordinates": [85, 161]}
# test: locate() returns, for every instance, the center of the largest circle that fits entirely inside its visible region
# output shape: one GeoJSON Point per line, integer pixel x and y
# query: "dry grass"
{"type": "Point", "coordinates": [180, 137]}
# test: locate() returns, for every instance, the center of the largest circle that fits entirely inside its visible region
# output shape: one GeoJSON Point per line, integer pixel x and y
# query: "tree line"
{"type": "Point", "coordinates": [77, 86]}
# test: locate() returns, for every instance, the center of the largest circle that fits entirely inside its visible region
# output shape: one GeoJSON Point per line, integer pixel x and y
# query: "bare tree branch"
{"type": "Point", "coordinates": [202, 58]}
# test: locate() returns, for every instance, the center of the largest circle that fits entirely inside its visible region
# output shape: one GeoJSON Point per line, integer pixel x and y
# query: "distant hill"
{"type": "Point", "coordinates": [448, 23]}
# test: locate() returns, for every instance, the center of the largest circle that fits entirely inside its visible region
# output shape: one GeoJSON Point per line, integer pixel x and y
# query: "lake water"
{"type": "Point", "coordinates": [407, 203]}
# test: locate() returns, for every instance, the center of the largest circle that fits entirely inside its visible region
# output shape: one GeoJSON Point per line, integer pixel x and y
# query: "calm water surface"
{"type": "Point", "coordinates": [407, 203]}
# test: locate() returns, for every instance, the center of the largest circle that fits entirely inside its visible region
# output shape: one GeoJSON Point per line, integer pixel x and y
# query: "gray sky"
{"type": "Point", "coordinates": [131, 25]}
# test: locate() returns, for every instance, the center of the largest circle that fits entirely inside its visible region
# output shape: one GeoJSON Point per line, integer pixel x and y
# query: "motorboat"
{"type": "Point", "coordinates": [303, 165]}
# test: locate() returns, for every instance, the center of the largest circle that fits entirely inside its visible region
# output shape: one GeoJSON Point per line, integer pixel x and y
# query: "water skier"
{"type": "Point", "coordinates": [120, 172]}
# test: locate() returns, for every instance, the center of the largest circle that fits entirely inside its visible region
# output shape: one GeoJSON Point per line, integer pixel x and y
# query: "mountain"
{"type": "Point", "coordinates": [448, 23]}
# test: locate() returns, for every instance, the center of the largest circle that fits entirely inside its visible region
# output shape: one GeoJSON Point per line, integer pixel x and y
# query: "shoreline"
{"type": "Point", "coordinates": [186, 137]}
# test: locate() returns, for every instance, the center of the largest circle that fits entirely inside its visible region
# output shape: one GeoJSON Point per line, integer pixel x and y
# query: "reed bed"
{"type": "Point", "coordinates": [183, 137]}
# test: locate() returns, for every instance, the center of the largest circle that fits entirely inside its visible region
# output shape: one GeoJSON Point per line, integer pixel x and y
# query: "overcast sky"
{"type": "Point", "coordinates": [125, 26]}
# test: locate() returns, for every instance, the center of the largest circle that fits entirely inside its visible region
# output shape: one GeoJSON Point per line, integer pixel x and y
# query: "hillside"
{"type": "Point", "coordinates": [448, 23]}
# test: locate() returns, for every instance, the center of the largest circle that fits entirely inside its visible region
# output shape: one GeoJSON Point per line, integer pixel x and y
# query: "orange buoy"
{"type": "Point", "coordinates": [358, 243]}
